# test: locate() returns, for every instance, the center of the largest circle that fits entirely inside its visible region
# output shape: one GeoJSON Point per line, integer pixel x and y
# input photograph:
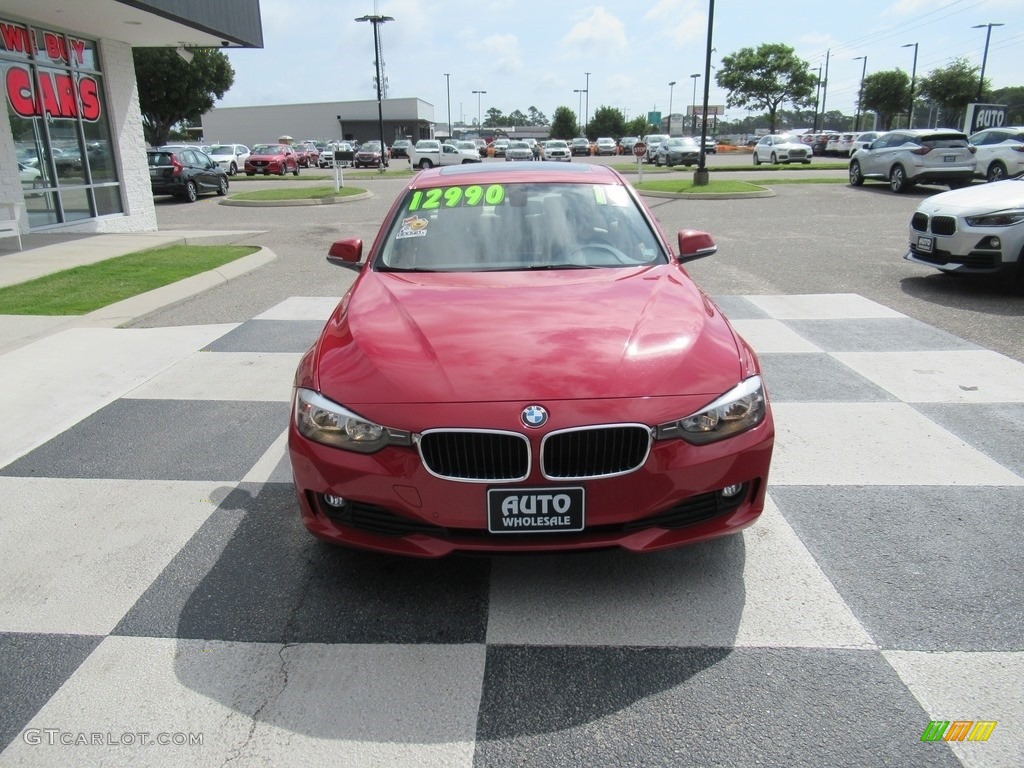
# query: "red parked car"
{"type": "Point", "coordinates": [524, 364]}
{"type": "Point", "coordinates": [272, 159]}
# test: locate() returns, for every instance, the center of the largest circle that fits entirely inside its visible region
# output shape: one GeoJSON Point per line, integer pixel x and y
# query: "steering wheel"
{"type": "Point", "coordinates": [596, 253]}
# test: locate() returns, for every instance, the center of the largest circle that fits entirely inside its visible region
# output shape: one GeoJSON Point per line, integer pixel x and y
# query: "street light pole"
{"type": "Point", "coordinates": [984, 58]}
{"type": "Point", "coordinates": [448, 88]}
{"type": "Point", "coordinates": [860, 95]}
{"type": "Point", "coordinates": [817, 96]}
{"type": "Point", "coordinates": [913, 77]}
{"type": "Point", "coordinates": [479, 123]}
{"type": "Point", "coordinates": [579, 111]}
{"type": "Point", "coordinates": [693, 103]}
{"type": "Point", "coordinates": [670, 87]}
{"type": "Point", "coordinates": [586, 113]}
{"type": "Point", "coordinates": [376, 20]}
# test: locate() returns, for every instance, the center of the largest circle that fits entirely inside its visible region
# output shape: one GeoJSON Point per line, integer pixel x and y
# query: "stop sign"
{"type": "Point", "coordinates": [639, 149]}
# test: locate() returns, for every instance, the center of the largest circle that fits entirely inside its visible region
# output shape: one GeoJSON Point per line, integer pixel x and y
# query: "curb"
{"type": "Point", "coordinates": [303, 201]}
{"type": "Point", "coordinates": [706, 195]}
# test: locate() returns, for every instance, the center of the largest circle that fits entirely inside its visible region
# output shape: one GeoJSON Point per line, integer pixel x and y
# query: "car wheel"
{"type": "Point", "coordinates": [996, 172]}
{"type": "Point", "coordinates": [757, 159]}
{"type": "Point", "coordinates": [232, 170]}
{"type": "Point", "coordinates": [856, 177]}
{"type": "Point", "coordinates": [775, 159]}
{"type": "Point", "coordinates": [898, 179]}
{"type": "Point", "coordinates": [296, 171]}
{"type": "Point", "coordinates": [425, 164]}
{"type": "Point", "coordinates": [280, 171]}
{"type": "Point", "coordinates": [657, 161]}
{"type": "Point", "coordinates": [191, 192]}
{"type": "Point", "coordinates": [222, 187]}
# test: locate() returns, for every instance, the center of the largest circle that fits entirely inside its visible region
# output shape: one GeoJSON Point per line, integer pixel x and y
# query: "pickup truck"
{"type": "Point", "coordinates": [429, 152]}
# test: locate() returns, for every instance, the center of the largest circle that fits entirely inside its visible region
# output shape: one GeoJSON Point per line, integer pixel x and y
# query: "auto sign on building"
{"type": "Point", "coordinates": [981, 116]}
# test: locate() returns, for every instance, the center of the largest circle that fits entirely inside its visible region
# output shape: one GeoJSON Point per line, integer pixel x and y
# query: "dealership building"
{"type": "Point", "coordinates": [72, 151]}
{"type": "Point", "coordinates": [329, 120]}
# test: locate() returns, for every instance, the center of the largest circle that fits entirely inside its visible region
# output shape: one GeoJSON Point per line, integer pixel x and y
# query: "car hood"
{"type": "Point", "coordinates": [977, 198]}
{"type": "Point", "coordinates": [275, 156]}
{"type": "Point", "coordinates": [581, 334]}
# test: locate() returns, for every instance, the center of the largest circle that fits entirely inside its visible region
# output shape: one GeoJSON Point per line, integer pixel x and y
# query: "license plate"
{"type": "Point", "coordinates": [535, 510]}
{"type": "Point", "coordinates": [950, 158]}
{"type": "Point", "coordinates": [925, 244]}
{"type": "Point", "coordinates": [154, 173]}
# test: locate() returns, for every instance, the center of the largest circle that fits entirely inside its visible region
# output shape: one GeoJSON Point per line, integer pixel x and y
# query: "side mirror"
{"type": "Point", "coordinates": [346, 253]}
{"type": "Point", "coordinates": [694, 244]}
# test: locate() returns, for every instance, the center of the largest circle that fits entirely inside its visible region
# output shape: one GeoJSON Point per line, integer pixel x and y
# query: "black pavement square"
{"type": "Point", "coordinates": [929, 568]}
{"type": "Point", "coordinates": [32, 668]}
{"type": "Point", "coordinates": [877, 334]}
{"type": "Point", "coordinates": [816, 378]}
{"type": "Point", "coordinates": [612, 707]}
{"type": "Point", "coordinates": [160, 440]}
{"type": "Point", "coordinates": [269, 336]}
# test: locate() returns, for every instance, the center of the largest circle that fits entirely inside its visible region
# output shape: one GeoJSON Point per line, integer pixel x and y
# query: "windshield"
{"type": "Point", "coordinates": [370, 146]}
{"type": "Point", "coordinates": [471, 228]}
{"type": "Point", "coordinates": [222, 150]}
{"type": "Point", "coordinates": [267, 149]}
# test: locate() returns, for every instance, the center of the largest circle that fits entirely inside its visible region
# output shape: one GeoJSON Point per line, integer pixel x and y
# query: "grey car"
{"type": "Point", "coordinates": [916, 156]}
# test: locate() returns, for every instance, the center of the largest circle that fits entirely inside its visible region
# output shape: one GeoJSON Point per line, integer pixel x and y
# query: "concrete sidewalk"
{"type": "Point", "coordinates": [44, 254]}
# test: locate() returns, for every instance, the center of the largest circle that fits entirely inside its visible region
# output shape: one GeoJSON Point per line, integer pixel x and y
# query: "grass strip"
{"type": "Point", "coordinates": [80, 290]}
{"type": "Point", "coordinates": [686, 186]}
{"type": "Point", "coordinates": [297, 193]}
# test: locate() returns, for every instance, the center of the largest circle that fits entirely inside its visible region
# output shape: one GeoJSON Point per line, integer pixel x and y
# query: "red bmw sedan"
{"type": "Point", "coordinates": [524, 364]}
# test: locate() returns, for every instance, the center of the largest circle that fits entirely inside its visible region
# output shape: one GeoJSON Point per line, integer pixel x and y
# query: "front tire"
{"type": "Point", "coordinates": [775, 159]}
{"type": "Point", "coordinates": [232, 170]}
{"type": "Point", "coordinates": [424, 164]}
{"type": "Point", "coordinates": [222, 187]}
{"type": "Point", "coordinates": [757, 159]}
{"type": "Point", "coordinates": [296, 171]}
{"type": "Point", "coordinates": [856, 177]}
{"type": "Point", "coordinates": [281, 171]}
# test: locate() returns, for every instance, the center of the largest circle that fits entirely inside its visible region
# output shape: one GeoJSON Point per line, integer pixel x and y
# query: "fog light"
{"type": "Point", "coordinates": [334, 501]}
{"type": "Point", "coordinates": [993, 243]}
{"type": "Point", "coordinates": [731, 490]}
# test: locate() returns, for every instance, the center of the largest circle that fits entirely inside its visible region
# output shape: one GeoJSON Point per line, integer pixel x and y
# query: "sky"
{"type": "Point", "coordinates": [538, 54]}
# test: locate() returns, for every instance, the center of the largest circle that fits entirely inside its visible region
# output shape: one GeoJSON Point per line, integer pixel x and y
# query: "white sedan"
{"type": "Point", "coordinates": [781, 148]}
{"type": "Point", "coordinates": [977, 230]}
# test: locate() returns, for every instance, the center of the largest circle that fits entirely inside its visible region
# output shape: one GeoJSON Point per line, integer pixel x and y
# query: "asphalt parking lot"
{"type": "Point", "coordinates": [809, 238]}
{"type": "Point", "coordinates": [161, 603]}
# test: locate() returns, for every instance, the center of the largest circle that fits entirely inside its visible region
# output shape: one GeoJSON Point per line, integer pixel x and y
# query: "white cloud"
{"type": "Point", "coordinates": [503, 52]}
{"type": "Point", "coordinates": [600, 32]}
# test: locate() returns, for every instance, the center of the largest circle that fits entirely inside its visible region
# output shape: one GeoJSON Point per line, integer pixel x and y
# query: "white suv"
{"type": "Point", "coordinates": [916, 156]}
{"type": "Point", "coordinates": [1000, 152]}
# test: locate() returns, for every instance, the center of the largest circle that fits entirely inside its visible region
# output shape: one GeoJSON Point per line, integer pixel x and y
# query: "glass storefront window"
{"type": "Point", "coordinates": [58, 114]}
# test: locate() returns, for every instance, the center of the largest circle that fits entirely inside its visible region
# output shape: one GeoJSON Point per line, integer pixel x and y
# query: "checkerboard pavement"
{"type": "Point", "coordinates": [156, 583]}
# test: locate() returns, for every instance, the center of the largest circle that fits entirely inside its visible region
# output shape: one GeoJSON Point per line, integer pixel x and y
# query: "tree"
{"type": "Point", "coordinates": [766, 78]}
{"type": "Point", "coordinates": [1013, 98]}
{"type": "Point", "coordinates": [517, 118]}
{"type": "Point", "coordinates": [494, 118]}
{"type": "Point", "coordinates": [172, 89]}
{"type": "Point", "coordinates": [636, 127]}
{"type": "Point", "coordinates": [887, 93]}
{"type": "Point", "coordinates": [951, 89]}
{"type": "Point", "coordinates": [607, 121]}
{"type": "Point", "coordinates": [563, 124]}
{"type": "Point", "coordinates": [536, 117]}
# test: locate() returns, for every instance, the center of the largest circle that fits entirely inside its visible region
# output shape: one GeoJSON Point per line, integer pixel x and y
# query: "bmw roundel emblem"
{"type": "Point", "coordinates": [534, 416]}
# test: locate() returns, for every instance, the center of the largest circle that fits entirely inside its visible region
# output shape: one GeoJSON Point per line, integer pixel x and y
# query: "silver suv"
{"type": "Point", "coordinates": [916, 156]}
{"type": "Point", "coordinates": [1000, 152]}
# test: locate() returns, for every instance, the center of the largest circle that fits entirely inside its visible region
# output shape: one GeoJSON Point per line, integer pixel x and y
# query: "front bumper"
{"type": "Point", "coordinates": [393, 504]}
{"type": "Point", "coordinates": [966, 251]}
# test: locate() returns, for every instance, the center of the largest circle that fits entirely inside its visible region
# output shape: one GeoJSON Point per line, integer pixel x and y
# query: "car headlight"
{"type": "Point", "coordinates": [324, 421]}
{"type": "Point", "coordinates": [998, 219]}
{"type": "Point", "coordinates": [741, 408]}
